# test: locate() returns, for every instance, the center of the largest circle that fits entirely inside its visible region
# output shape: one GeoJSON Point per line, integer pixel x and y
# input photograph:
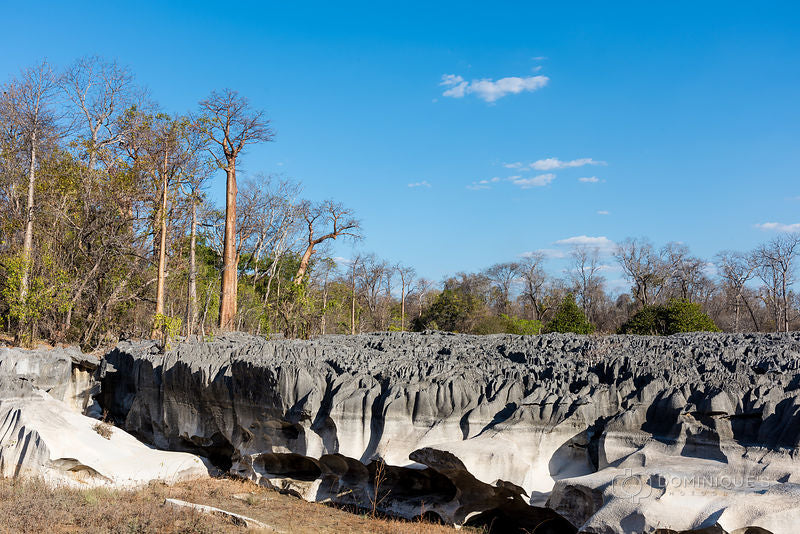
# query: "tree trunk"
{"type": "Point", "coordinates": [353, 305]}
{"type": "Point", "coordinates": [227, 301]}
{"type": "Point", "coordinates": [27, 245]}
{"type": "Point", "coordinates": [162, 252]}
{"type": "Point", "coordinates": [191, 297]}
{"type": "Point", "coordinates": [301, 271]}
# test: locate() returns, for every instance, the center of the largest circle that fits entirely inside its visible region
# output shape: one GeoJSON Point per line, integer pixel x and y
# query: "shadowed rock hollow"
{"type": "Point", "coordinates": [615, 434]}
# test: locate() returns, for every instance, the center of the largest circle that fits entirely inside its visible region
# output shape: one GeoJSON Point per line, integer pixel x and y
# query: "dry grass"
{"type": "Point", "coordinates": [30, 506]}
{"type": "Point", "coordinates": [104, 428]}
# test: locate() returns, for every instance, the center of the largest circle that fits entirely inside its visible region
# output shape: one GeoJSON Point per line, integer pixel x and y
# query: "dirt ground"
{"type": "Point", "coordinates": [31, 506]}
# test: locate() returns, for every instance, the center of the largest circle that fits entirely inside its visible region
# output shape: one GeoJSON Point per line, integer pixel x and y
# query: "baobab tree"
{"type": "Point", "coordinates": [324, 221]}
{"type": "Point", "coordinates": [229, 125]}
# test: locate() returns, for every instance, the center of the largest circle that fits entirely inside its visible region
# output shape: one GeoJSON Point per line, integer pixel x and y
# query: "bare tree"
{"type": "Point", "coordinates": [503, 275]}
{"type": "Point", "coordinates": [644, 268]}
{"type": "Point", "coordinates": [406, 275]}
{"type": "Point", "coordinates": [230, 124]}
{"type": "Point", "coordinates": [32, 99]}
{"type": "Point", "coordinates": [776, 268]}
{"type": "Point", "coordinates": [736, 269]}
{"type": "Point", "coordinates": [586, 278]}
{"type": "Point", "coordinates": [534, 279]}
{"type": "Point", "coordinates": [335, 220]}
{"type": "Point", "coordinates": [100, 92]}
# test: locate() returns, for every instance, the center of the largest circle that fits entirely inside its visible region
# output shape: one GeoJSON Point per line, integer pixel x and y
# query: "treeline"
{"type": "Point", "coordinates": [107, 233]}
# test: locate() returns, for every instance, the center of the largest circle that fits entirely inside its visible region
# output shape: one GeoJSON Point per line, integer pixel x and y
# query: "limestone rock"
{"type": "Point", "coordinates": [557, 418]}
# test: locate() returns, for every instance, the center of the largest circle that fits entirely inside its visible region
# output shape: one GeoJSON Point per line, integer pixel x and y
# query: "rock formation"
{"type": "Point", "coordinates": [605, 431]}
{"type": "Point", "coordinates": [44, 434]}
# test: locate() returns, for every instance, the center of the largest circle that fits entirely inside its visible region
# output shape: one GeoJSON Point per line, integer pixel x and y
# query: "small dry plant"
{"type": "Point", "coordinates": [104, 427]}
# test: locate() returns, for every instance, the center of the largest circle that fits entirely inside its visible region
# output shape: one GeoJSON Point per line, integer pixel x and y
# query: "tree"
{"type": "Point", "coordinates": [336, 221]}
{"type": "Point", "coordinates": [736, 270]}
{"type": "Point", "coordinates": [229, 125]}
{"type": "Point", "coordinates": [675, 317]}
{"type": "Point", "coordinates": [534, 280]}
{"type": "Point", "coordinates": [586, 279]}
{"type": "Point", "coordinates": [503, 276]}
{"type": "Point", "coordinates": [775, 263]}
{"type": "Point", "coordinates": [569, 318]}
{"type": "Point", "coordinates": [32, 101]}
{"type": "Point", "coordinates": [406, 275]}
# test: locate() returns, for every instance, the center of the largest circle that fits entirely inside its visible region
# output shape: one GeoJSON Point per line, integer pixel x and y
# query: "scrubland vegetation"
{"type": "Point", "coordinates": [107, 233]}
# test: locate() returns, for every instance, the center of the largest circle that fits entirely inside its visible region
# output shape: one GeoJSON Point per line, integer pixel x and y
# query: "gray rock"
{"type": "Point", "coordinates": [558, 417]}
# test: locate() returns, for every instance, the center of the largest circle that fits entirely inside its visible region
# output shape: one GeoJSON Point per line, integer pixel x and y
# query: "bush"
{"type": "Point", "coordinates": [505, 324]}
{"type": "Point", "coordinates": [569, 318]}
{"type": "Point", "coordinates": [673, 318]}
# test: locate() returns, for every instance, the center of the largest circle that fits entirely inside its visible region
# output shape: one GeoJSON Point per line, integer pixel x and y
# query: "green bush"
{"type": "Point", "coordinates": [569, 318]}
{"type": "Point", "coordinates": [663, 320]}
{"type": "Point", "coordinates": [505, 324]}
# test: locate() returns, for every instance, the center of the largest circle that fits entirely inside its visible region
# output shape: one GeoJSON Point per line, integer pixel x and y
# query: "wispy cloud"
{"type": "Point", "coordinates": [602, 243]}
{"type": "Point", "coordinates": [484, 184]}
{"type": "Point", "coordinates": [553, 253]}
{"type": "Point", "coordinates": [589, 179]}
{"type": "Point", "coordinates": [491, 90]}
{"type": "Point", "coordinates": [603, 212]}
{"type": "Point", "coordinates": [550, 164]}
{"type": "Point", "coordinates": [779, 227]}
{"type": "Point", "coordinates": [423, 183]}
{"type": "Point", "coordinates": [536, 181]}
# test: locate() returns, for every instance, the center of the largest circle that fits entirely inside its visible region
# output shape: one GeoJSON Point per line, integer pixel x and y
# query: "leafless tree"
{"type": "Point", "coordinates": [534, 279]}
{"type": "Point", "coordinates": [326, 220]}
{"type": "Point", "coordinates": [100, 92]}
{"type": "Point", "coordinates": [32, 99]}
{"type": "Point", "coordinates": [586, 279]}
{"type": "Point", "coordinates": [230, 124]}
{"type": "Point", "coordinates": [406, 275]}
{"type": "Point", "coordinates": [775, 263]}
{"type": "Point", "coordinates": [736, 269]}
{"type": "Point", "coordinates": [503, 276]}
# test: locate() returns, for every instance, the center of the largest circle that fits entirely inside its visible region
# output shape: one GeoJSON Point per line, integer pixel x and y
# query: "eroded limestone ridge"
{"type": "Point", "coordinates": [606, 431]}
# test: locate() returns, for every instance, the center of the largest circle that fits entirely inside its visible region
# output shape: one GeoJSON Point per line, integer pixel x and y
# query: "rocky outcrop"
{"type": "Point", "coordinates": [43, 434]}
{"type": "Point", "coordinates": [603, 430]}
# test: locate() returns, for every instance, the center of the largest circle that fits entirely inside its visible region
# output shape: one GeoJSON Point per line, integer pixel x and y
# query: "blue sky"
{"type": "Point", "coordinates": [686, 113]}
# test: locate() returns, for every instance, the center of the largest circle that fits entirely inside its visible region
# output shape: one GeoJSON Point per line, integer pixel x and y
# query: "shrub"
{"type": "Point", "coordinates": [672, 318]}
{"type": "Point", "coordinates": [569, 318]}
{"type": "Point", "coordinates": [504, 324]}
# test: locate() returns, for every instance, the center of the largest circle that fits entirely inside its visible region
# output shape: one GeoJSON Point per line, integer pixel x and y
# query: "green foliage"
{"type": "Point", "coordinates": [522, 327]}
{"type": "Point", "coordinates": [450, 311]}
{"type": "Point", "coordinates": [675, 317]}
{"type": "Point", "coordinates": [569, 318]}
{"type": "Point", "coordinates": [47, 289]}
{"type": "Point", "coordinates": [168, 326]}
{"type": "Point", "coordinates": [504, 324]}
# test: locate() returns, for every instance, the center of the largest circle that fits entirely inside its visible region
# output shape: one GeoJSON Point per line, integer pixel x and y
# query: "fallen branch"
{"type": "Point", "coordinates": [236, 519]}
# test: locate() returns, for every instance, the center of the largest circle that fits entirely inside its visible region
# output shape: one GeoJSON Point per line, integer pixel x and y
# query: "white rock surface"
{"type": "Point", "coordinates": [46, 436]}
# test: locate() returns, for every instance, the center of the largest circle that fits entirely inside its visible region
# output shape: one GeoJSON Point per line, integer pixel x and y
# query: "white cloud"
{"type": "Point", "coordinates": [539, 58]}
{"type": "Point", "coordinates": [491, 90]}
{"type": "Point", "coordinates": [546, 252]}
{"type": "Point", "coordinates": [779, 227]}
{"type": "Point", "coordinates": [601, 243]}
{"type": "Point", "coordinates": [423, 183]}
{"type": "Point", "coordinates": [589, 179]}
{"type": "Point", "coordinates": [537, 181]}
{"type": "Point", "coordinates": [550, 164]}
{"type": "Point", "coordinates": [603, 212]}
{"type": "Point", "coordinates": [515, 165]}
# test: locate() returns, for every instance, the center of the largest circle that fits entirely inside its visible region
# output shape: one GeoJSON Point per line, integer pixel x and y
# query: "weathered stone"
{"type": "Point", "coordinates": [560, 417]}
